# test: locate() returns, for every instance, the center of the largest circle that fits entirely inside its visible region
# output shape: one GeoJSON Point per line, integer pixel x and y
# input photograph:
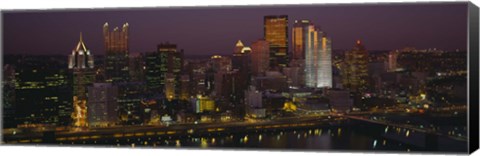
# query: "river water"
{"type": "Point", "coordinates": [339, 138]}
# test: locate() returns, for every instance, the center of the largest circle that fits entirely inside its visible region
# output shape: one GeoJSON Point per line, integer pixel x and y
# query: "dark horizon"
{"type": "Point", "coordinates": [380, 26]}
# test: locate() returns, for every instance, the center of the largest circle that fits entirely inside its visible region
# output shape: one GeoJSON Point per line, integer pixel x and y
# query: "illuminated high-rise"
{"type": "Point", "coordinates": [276, 33]}
{"type": "Point", "coordinates": [318, 59]}
{"type": "Point", "coordinates": [241, 61]}
{"type": "Point", "coordinates": [296, 72]}
{"type": "Point", "coordinates": [153, 73]}
{"type": "Point", "coordinates": [129, 102]}
{"type": "Point", "coordinates": [116, 50]}
{"type": "Point", "coordinates": [166, 60]}
{"type": "Point", "coordinates": [43, 91]}
{"type": "Point", "coordinates": [102, 105]}
{"type": "Point", "coordinates": [299, 35]}
{"type": "Point", "coordinates": [81, 58]}
{"type": "Point", "coordinates": [392, 61]}
{"type": "Point", "coordinates": [354, 69]}
{"type": "Point", "coordinates": [325, 63]}
{"type": "Point", "coordinates": [174, 65]}
{"type": "Point", "coordinates": [260, 57]}
{"type": "Point", "coordinates": [81, 63]}
{"type": "Point", "coordinates": [137, 67]}
{"type": "Point", "coordinates": [216, 64]}
{"type": "Point", "coordinates": [185, 90]}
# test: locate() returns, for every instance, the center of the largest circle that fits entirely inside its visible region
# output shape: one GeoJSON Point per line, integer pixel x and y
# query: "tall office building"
{"type": "Point", "coordinates": [43, 91]}
{"type": "Point", "coordinates": [102, 105]}
{"type": "Point", "coordinates": [174, 65]}
{"type": "Point", "coordinates": [185, 87]}
{"type": "Point", "coordinates": [392, 61]}
{"type": "Point", "coordinates": [299, 36]}
{"type": "Point", "coordinates": [200, 78]}
{"type": "Point", "coordinates": [216, 64]}
{"type": "Point", "coordinates": [276, 33]}
{"type": "Point", "coordinates": [296, 72]}
{"type": "Point", "coordinates": [318, 58]}
{"type": "Point", "coordinates": [81, 63]}
{"type": "Point", "coordinates": [240, 53]}
{"type": "Point", "coordinates": [167, 59]}
{"type": "Point", "coordinates": [230, 85]}
{"type": "Point", "coordinates": [154, 72]}
{"type": "Point", "coordinates": [129, 99]}
{"type": "Point", "coordinates": [116, 58]}
{"type": "Point", "coordinates": [241, 61]}
{"type": "Point", "coordinates": [354, 68]}
{"type": "Point", "coordinates": [170, 84]}
{"type": "Point", "coordinates": [260, 57]}
{"type": "Point", "coordinates": [137, 67]}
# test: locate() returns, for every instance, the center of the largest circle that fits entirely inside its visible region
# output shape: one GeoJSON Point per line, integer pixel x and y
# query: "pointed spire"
{"type": "Point", "coordinates": [239, 43]}
{"type": "Point", "coordinates": [81, 45]}
{"type": "Point", "coordinates": [81, 37]}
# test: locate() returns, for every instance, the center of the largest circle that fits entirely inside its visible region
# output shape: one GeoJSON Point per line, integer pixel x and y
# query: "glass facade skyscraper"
{"type": "Point", "coordinates": [276, 33]}
{"type": "Point", "coordinates": [116, 58]}
{"type": "Point", "coordinates": [318, 57]}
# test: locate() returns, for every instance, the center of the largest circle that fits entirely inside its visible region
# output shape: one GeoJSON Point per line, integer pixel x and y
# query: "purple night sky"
{"type": "Point", "coordinates": [215, 30]}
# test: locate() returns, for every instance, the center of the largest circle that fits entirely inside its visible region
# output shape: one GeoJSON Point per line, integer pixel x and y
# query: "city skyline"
{"type": "Point", "coordinates": [402, 25]}
{"type": "Point", "coordinates": [287, 89]}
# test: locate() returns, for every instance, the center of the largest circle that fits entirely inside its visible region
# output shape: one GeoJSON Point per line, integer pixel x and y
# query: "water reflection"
{"type": "Point", "coordinates": [334, 138]}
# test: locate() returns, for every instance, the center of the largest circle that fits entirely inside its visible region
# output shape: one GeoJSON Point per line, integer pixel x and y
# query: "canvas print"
{"type": "Point", "coordinates": [350, 77]}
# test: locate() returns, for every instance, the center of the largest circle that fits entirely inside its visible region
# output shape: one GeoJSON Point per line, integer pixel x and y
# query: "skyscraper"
{"type": "Point", "coordinates": [260, 57]}
{"type": "Point", "coordinates": [129, 102]}
{"type": "Point", "coordinates": [43, 91]}
{"type": "Point", "coordinates": [241, 61]}
{"type": "Point", "coordinates": [216, 64]}
{"type": "Point", "coordinates": [137, 67]}
{"type": "Point", "coordinates": [299, 35]}
{"type": "Point", "coordinates": [82, 66]}
{"type": "Point", "coordinates": [392, 61]}
{"type": "Point", "coordinates": [318, 59]}
{"type": "Point", "coordinates": [153, 72]}
{"type": "Point", "coordinates": [296, 72]}
{"type": "Point", "coordinates": [116, 58]}
{"type": "Point", "coordinates": [325, 74]}
{"type": "Point", "coordinates": [354, 69]}
{"type": "Point", "coordinates": [276, 33]}
{"type": "Point", "coordinates": [174, 65]}
{"type": "Point", "coordinates": [102, 105]}
{"type": "Point", "coordinates": [167, 59]}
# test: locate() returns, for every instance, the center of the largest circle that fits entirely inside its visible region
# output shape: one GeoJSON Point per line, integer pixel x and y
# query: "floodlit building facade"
{"type": "Point", "coordinates": [318, 58]}
{"type": "Point", "coordinates": [355, 68]}
{"type": "Point", "coordinates": [276, 33]}
{"type": "Point", "coordinates": [260, 57]}
{"type": "Point", "coordinates": [81, 63]}
{"type": "Point", "coordinates": [116, 58]}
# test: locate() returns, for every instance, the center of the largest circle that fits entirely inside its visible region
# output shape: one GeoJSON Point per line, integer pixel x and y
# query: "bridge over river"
{"type": "Point", "coordinates": [426, 137]}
